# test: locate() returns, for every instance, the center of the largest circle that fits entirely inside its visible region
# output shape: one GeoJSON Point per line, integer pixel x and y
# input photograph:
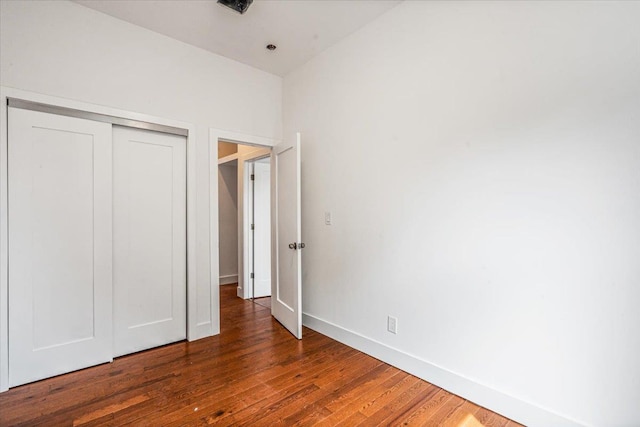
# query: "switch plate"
{"type": "Point", "coordinates": [327, 218]}
{"type": "Point", "coordinates": [392, 324]}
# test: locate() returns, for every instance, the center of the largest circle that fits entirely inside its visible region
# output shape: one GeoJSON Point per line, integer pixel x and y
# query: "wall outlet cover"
{"type": "Point", "coordinates": [392, 324]}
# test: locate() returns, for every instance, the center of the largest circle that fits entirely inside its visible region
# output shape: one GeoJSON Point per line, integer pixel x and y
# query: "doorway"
{"type": "Point", "coordinates": [244, 224]}
{"type": "Point", "coordinates": [286, 223]}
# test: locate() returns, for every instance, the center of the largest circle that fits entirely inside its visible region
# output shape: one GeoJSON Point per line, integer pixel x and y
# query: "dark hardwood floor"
{"type": "Point", "coordinates": [253, 373]}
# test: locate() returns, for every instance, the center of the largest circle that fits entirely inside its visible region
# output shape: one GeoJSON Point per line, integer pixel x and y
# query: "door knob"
{"type": "Point", "coordinates": [301, 245]}
{"type": "Point", "coordinates": [293, 246]}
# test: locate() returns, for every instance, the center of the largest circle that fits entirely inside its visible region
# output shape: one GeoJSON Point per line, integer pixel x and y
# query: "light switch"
{"type": "Point", "coordinates": [327, 218]}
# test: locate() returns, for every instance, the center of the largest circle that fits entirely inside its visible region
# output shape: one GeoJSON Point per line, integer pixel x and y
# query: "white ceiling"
{"type": "Point", "coordinates": [299, 28]}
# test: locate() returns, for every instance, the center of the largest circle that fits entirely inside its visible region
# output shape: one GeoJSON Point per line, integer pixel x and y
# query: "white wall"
{"type": "Point", "coordinates": [228, 222]}
{"type": "Point", "coordinates": [502, 229]}
{"type": "Point", "coordinates": [63, 49]}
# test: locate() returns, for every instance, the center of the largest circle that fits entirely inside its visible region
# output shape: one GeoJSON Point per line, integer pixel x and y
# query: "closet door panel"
{"type": "Point", "coordinates": [60, 232]}
{"type": "Point", "coordinates": [149, 239]}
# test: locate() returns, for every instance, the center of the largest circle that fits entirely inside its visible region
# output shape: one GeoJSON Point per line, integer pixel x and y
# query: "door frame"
{"type": "Point", "coordinates": [215, 136]}
{"type": "Point", "coordinates": [194, 330]}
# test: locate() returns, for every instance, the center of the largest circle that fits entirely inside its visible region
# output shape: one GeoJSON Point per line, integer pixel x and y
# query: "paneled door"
{"type": "Point", "coordinates": [60, 234]}
{"type": "Point", "coordinates": [149, 230]}
{"type": "Point", "coordinates": [286, 282]}
{"type": "Point", "coordinates": [262, 229]}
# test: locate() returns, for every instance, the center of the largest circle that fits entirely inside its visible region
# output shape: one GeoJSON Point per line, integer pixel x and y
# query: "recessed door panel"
{"type": "Point", "coordinates": [60, 312]}
{"type": "Point", "coordinates": [149, 239]}
{"type": "Point", "coordinates": [62, 236]}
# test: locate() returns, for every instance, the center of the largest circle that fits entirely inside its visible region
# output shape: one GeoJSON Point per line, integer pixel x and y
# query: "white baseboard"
{"type": "Point", "coordinates": [228, 279]}
{"type": "Point", "coordinates": [504, 404]}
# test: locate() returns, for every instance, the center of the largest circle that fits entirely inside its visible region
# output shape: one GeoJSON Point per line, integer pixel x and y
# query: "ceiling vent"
{"type": "Point", "coordinates": [240, 6]}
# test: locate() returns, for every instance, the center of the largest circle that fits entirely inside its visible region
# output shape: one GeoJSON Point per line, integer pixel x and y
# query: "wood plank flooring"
{"type": "Point", "coordinates": [254, 373]}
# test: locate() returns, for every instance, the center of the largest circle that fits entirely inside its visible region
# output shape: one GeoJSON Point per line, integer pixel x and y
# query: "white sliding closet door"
{"type": "Point", "coordinates": [60, 224]}
{"type": "Point", "coordinates": [149, 209]}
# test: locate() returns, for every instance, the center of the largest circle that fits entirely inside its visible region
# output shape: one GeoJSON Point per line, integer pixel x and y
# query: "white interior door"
{"type": "Point", "coordinates": [60, 233]}
{"type": "Point", "coordinates": [149, 230]}
{"type": "Point", "coordinates": [286, 293]}
{"type": "Point", "coordinates": [262, 228]}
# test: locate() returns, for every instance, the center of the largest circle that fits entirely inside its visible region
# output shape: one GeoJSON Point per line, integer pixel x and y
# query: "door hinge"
{"type": "Point", "coordinates": [253, 177]}
{"type": "Point", "coordinates": [252, 275]}
{"type": "Point", "coordinates": [253, 226]}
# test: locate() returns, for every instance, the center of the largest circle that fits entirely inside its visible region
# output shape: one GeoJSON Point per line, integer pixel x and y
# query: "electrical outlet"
{"type": "Point", "coordinates": [392, 324]}
{"type": "Point", "coordinates": [327, 218]}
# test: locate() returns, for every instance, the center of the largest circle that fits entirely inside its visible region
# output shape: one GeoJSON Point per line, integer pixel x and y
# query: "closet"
{"type": "Point", "coordinates": [96, 240]}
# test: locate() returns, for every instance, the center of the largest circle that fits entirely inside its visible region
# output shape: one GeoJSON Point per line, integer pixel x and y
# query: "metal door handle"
{"type": "Point", "coordinates": [293, 246]}
{"type": "Point", "coordinates": [301, 245]}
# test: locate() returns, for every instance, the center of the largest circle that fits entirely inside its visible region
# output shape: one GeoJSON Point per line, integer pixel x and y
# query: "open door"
{"type": "Point", "coordinates": [262, 228]}
{"type": "Point", "coordinates": [286, 242]}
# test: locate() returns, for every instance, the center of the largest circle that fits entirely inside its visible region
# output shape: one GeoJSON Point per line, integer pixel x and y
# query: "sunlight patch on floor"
{"type": "Point", "coordinates": [470, 421]}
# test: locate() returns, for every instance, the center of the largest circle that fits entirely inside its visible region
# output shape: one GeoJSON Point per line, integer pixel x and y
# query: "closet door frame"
{"type": "Point", "coordinates": [194, 330]}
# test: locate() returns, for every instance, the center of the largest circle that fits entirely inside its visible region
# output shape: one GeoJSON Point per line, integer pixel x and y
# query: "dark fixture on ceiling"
{"type": "Point", "coordinates": [271, 47]}
{"type": "Point", "coordinates": [240, 6]}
